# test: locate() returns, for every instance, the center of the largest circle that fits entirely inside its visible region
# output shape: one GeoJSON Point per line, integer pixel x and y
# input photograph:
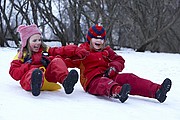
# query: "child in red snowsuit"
{"type": "Point", "coordinates": [39, 67]}
{"type": "Point", "coordinates": [99, 72]}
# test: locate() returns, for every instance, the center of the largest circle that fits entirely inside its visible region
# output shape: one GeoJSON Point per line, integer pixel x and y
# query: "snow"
{"type": "Point", "coordinates": [16, 103]}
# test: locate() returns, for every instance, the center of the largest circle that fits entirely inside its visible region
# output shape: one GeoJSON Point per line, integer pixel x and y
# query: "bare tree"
{"type": "Point", "coordinates": [9, 31]}
{"type": "Point", "coordinates": [74, 12]}
{"type": "Point", "coordinates": [152, 20]}
{"type": "Point", "coordinates": [139, 24]}
{"type": "Point", "coordinates": [103, 12]}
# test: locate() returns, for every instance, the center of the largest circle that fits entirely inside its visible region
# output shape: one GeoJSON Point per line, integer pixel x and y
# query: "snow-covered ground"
{"type": "Point", "coordinates": [15, 103]}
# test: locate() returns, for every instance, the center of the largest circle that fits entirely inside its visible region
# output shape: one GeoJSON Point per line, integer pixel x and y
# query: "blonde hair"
{"type": "Point", "coordinates": [28, 52]}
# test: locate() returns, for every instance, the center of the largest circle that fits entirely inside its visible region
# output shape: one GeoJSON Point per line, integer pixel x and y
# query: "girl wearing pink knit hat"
{"type": "Point", "coordinates": [100, 72]}
{"type": "Point", "coordinates": [39, 67]}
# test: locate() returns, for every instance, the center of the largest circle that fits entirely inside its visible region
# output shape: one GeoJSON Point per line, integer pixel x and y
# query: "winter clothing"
{"type": "Point", "coordinates": [38, 71]}
{"type": "Point", "coordinates": [25, 33]}
{"type": "Point", "coordinates": [165, 87]}
{"type": "Point", "coordinates": [96, 63]}
{"type": "Point", "coordinates": [36, 81]}
{"type": "Point", "coordinates": [70, 81]}
{"type": "Point", "coordinates": [110, 72]}
{"type": "Point", "coordinates": [95, 80]}
{"type": "Point", "coordinates": [51, 86]}
{"type": "Point", "coordinates": [56, 70]}
{"type": "Point", "coordinates": [122, 95]}
{"type": "Point", "coordinates": [96, 32]}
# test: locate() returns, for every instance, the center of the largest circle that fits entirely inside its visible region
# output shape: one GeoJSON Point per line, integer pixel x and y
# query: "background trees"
{"type": "Point", "coordinates": [139, 24]}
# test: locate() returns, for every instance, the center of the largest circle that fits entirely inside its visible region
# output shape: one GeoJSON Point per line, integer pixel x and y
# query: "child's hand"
{"type": "Point", "coordinates": [45, 62]}
{"type": "Point", "coordinates": [110, 72]}
{"type": "Point", "coordinates": [81, 53]}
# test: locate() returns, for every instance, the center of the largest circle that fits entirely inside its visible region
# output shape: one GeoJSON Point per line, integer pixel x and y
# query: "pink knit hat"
{"type": "Point", "coordinates": [25, 33]}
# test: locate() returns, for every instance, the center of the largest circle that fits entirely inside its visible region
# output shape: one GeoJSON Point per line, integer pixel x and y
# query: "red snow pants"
{"type": "Point", "coordinates": [55, 72]}
{"type": "Point", "coordinates": [139, 86]}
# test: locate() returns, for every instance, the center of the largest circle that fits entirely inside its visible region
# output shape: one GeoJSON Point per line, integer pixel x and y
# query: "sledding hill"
{"type": "Point", "coordinates": [15, 103]}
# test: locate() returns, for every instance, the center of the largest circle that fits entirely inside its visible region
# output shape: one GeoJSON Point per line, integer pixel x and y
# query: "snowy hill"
{"type": "Point", "coordinates": [15, 103]}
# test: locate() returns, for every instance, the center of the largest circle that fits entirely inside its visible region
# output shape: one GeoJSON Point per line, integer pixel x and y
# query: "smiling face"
{"type": "Point", "coordinates": [35, 42]}
{"type": "Point", "coordinates": [97, 44]}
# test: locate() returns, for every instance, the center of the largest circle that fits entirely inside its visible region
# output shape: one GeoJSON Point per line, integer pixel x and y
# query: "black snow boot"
{"type": "Point", "coordinates": [161, 93]}
{"type": "Point", "coordinates": [70, 81]}
{"type": "Point", "coordinates": [36, 82]}
{"type": "Point", "coordinates": [123, 95]}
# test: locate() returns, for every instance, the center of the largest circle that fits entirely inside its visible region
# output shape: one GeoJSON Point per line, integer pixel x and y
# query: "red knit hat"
{"type": "Point", "coordinates": [96, 31]}
{"type": "Point", "coordinates": [25, 33]}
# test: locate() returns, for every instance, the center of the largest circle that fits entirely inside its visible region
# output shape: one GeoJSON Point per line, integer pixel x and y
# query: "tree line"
{"type": "Point", "coordinates": [152, 25]}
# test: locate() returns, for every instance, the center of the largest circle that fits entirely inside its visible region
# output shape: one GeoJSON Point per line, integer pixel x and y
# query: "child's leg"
{"type": "Point", "coordinates": [104, 86]}
{"type": "Point", "coordinates": [56, 71]}
{"type": "Point", "coordinates": [26, 80]}
{"type": "Point", "coordinates": [36, 81]}
{"type": "Point", "coordinates": [139, 86]}
{"type": "Point", "coordinates": [101, 86]}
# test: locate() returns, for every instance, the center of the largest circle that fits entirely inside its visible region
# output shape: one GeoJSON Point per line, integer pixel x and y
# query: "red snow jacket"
{"type": "Point", "coordinates": [20, 66]}
{"type": "Point", "coordinates": [96, 63]}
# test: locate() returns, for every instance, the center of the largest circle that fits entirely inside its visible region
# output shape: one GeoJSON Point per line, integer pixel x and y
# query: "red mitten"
{"type": "Point", "coordinates": [110, 72]}
{"type": "Point", "coordinates": [81, 53]}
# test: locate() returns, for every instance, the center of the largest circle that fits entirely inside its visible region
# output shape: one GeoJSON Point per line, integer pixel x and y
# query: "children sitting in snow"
{"type": "Point", "coordinates": [39, 67]}
{"type": "Point", "coordinates": [100, 72]}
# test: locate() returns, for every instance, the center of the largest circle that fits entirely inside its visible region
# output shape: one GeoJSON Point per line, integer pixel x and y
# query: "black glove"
{"type": "Point", "coordinates": [110, 72]}
{"type": "Point", "coordinates": [45, 62]}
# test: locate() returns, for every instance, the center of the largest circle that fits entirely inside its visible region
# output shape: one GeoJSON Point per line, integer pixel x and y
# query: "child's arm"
{"type": "Point", "coordinates": [116, 61]}
{"type": "Point", "coordinates": [18, 69]}
{"type": "Point", "coordinates": [68, 51]}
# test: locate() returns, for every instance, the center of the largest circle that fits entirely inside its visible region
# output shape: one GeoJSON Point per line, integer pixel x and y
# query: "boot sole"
{"type": "Point", "coordinates": [36, 82]}
{"type": "Point", "coordinates": [123, 95]}
{"type": "Point", "coordinates": [166, 86]}
{"type": "Point", "coordinates": [70, 81]}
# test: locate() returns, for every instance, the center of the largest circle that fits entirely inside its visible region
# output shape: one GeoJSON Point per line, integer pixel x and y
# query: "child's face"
{"type": "Point", "coordinates": [97, 43]}
{"type": "Point", "coordinates": [35, 42]}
